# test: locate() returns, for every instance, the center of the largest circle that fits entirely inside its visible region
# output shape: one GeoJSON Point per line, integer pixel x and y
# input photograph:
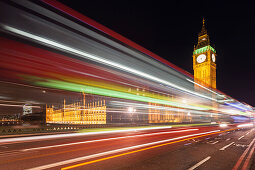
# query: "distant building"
{"type": "Point", "coordinates": [85, 112]}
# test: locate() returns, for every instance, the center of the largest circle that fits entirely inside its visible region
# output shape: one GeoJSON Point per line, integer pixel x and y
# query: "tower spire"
{"type": "Point", "coordinates": [203, 30]}
{"type": "Point", "coordinates": [203, 37]}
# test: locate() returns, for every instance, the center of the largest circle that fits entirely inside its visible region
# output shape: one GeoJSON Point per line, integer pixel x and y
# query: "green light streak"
{"type": "Point", "coordinates": [111, 93]}
{"type": "Point", "coordinates": [204, 49]}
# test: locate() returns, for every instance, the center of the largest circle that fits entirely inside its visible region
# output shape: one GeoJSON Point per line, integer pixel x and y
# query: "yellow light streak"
{"type": "Point", "coordinates": [139, 150]}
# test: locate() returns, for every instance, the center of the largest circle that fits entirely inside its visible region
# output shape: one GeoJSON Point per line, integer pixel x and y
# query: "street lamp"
{"type": "Point", "coordinates": [131, 109]}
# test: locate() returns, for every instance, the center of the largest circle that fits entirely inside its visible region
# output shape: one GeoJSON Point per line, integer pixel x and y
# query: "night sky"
{"type": "Point", "coordinates": [170, 30]}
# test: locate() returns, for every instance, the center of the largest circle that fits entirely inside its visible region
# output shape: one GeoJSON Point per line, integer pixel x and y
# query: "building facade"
{"type": "Point", "coordinates": [84, 112]}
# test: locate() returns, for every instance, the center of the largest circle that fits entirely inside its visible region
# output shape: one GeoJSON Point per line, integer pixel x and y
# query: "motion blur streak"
{"type": "Point", "coordinates": [203, 87]}
{"type": "Point", "coordinates": [22, 139]}
{"type": "Point", "coordinates": [245, 125]}
{"type": "Point", "coordinates": [17, 105]}
{"type": "Point", "coordinates": [111, 93]}
{"type": "Point", "coordinates": [107, 139]}
{"type": "Point", "coordinates": [100, 60]}
{"type": "Point", "coordinates": [113, 34]}
{"type": "Point", "coordinates": [122, 150]}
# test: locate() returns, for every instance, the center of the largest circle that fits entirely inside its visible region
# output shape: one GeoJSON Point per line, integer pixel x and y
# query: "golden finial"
{"type": "Point", "coordinates": [203, 21]}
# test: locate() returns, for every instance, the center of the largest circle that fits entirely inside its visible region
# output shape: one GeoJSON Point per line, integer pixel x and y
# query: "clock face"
{"type": "Point", "coordinates": [213, 58]}
{"type": "Point", "coordinates": [201, 58]}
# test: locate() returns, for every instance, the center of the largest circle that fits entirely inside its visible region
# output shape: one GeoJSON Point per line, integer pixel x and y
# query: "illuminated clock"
{"type": "Point", "coordinates": [201, 58]}
{"type": "Point", "coordinates": [213, 58]}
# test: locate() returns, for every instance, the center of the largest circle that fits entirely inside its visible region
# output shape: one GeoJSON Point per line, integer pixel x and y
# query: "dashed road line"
{"type": "Point", "coordinates": [225, 147]}
{"type": "Point", "coordinates": [241, 137]}
{"type": "Point", "coordinates": [212, 143]}
{"type": "Point", "coordinates": [248, 132]}
{"type": "Point", "coordinates": [200, 163]}
{"type": "Point", "coordinates": [215, 142]}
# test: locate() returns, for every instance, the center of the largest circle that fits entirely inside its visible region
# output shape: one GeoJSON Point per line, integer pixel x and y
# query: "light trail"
{"type": "Point", "coordinates": [135, 151]}
{"type": "Point", "coordinates": [157, 144]}
{"type": "Point", "coordinates": [119, 103]}
{"type": "Point", "coordinates": [99, 59]}
{"type": "Point", "coordinates": [204, 87]}
{"type": "Point", "coordinates": [108, 139]}
{"type": "Point", "coordinates": [245, 125]}
{"type": "Point", "coordinates": [22, 139]}
{"type": "Point", "coordinates": [111, 93]}
{"type": "Point", "coordinates": [15, 105]}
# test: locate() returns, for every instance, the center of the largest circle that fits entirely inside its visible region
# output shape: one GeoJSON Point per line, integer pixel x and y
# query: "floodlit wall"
{"type": "Point", "coordinates": [75, 113]}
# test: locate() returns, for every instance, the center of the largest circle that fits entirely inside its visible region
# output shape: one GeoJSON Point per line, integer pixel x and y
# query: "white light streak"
{"type": "Point", "coordinates": [114, 151]}
{"type": "Point", "coordinates": [245, 125]}
{"type": "Point", "coordinates": [108, 139]}
{"type": "Point", "coordinates": [145, 106]}
{"type": "Point", "coordinates": [15, 105]}
{"type": "Point", "coordinates": [223, 125]}
{"type": "Point", "coordinates": [22, 139]}
{"type": "Point", "coordinates": [205, 88]}
{"type": "Point", "coordinates": [99, 59]}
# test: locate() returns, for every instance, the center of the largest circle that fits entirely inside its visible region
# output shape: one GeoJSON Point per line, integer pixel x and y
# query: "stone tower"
{"type": "Point", "coordinates": [204, 60]}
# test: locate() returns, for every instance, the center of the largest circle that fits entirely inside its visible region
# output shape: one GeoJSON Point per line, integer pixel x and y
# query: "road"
{"type": "Point", "coordinates": [210, 147]}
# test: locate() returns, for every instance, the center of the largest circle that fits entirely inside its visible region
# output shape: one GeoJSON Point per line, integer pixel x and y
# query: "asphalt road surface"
{"type": "Point", "coordinates": [210, 147]}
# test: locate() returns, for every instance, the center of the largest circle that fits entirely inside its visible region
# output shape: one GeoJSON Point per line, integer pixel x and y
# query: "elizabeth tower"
{"type": "Point", "coordinates": [204, 58]}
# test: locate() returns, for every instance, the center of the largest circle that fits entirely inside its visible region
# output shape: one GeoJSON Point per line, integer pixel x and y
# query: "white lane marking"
{"type": "Point", "coordinates": [241, 137]}
{"type": "Point", "coordinates": [114, 151]}
{"type": "Point", "coordinates": [215, 142]}
{"type": "Point", "coordinates": [225, 147]}
{"type": "Point", "coordinates": [200, 163]}
{"type": "Point", "coordinates": [249, 132]}
{"type": "Point", "coordinates": [22, 139]}
{"type": "Point", "coordinates": [228, 139]}
{"type": "Point", "coordinates": [107, 139]}
{"type": "Point", "coordinates": [212, 143]}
